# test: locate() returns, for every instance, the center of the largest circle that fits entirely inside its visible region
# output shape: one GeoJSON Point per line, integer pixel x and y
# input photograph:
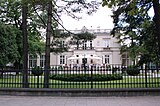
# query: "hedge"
{"type": "Point", "coordinates": [37, 71]}
{"type": "Point", "coordinates": [133, 70]}
{"type": "Point", "coordinates": [86, 77]}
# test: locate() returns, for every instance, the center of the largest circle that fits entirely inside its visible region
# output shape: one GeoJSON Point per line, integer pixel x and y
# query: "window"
{"type": "Point", "coordinates": [84, 45]}
{"type": "Point", "coordinates": [62, 59]}
{"type": "Point", "coordinates": [125, 59]}
{"type": "Point", "coordinates": [91, 45]}
{"type": "Point", "coordinates": [63, 44]}
{"type": "Point", "coordinates": [106, 59]}
{"type": "Point", "coordinates": [77, 61]}
{"type": "Point", "coordinates": [32, 61]}
{"type": "Point", "coordinates": [77, 43]}
{"type": "Point", "coordinates": [91, 61]}
{"type": "Point", "coordinates": [42, 60]}
{"type": "Point", "coordinates": [106, 43]}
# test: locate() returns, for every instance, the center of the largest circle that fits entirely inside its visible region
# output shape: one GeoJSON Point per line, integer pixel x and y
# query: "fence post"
{"type": "Point", "coordinates": [146, 76]}
{"type": "Point", "coordinates": [91, 77]}
{"type": "Point", "coordinates": [38, 81]}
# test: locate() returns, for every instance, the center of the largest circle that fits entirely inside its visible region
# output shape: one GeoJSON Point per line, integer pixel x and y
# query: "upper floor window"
{"type": "Point", "coordinates": [84, 45]}
{"type": "Point", "coordinates": [87, 45]}
{"type": "Point", "coordinates": [91, 45]}
{"type": "Point", "coordinates": [62, 43]}
{"type": "Point", "coordinates": [106, 43]}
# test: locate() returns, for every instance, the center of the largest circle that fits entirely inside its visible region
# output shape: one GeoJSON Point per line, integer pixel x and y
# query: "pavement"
{"type": "Point", "coordinates": [79, 101]}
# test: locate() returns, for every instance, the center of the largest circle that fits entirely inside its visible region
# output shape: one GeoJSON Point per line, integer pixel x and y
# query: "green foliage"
{"type": "Point", "coordinates": [10, 13]}
{"type": "Point", "coordinates": [86, 77]}
{"type": "Point", "coordinates": [85, 36]}
{"type": "Point", "coordinates": [136, 28]}
{"type": "Point", "coordinates": [37, 71]}
{"type": "Point", "coordinates": [133, 70]}
{"type": "Point", "coordinates": [8, 44]}
{"type": "Point", "coordinates": [59, 44]}
{"type": "Point", "coordinates": [36, 45]}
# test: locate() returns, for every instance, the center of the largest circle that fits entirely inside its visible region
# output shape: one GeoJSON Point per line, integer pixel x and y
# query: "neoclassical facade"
{"type": "Point", "coordinates": [104, 48]}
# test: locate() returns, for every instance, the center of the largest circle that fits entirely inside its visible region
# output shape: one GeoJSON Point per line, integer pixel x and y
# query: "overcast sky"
{"type": "Point", "coordinates": [100, 19]}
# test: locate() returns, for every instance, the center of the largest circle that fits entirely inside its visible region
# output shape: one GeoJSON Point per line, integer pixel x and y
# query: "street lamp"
{"type": "Point", "coordinates": [84, 61]}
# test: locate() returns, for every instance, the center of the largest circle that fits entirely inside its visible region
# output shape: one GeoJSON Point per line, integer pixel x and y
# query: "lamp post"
{"type": "Point", "coordinates": [84, 61]}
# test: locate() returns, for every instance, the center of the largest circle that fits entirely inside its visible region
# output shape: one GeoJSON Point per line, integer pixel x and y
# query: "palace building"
{"type": "Point", "coordinates": [104, 49]}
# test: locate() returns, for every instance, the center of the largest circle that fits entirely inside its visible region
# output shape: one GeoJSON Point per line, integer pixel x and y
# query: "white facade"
{"type": "Point", "coordinates": [104, 46]}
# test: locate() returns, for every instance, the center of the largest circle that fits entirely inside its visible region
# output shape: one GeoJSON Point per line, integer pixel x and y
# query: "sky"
{"type": "Point", "coordinates": [100, 19]}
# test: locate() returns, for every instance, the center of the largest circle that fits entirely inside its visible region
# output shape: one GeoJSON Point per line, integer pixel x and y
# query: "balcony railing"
{"type": "Point", "coordinates": [92, 31]}
{"type": "Point", "coordinates": [84, 48]}
{"type": "Point", "coordinates": [106, 48]}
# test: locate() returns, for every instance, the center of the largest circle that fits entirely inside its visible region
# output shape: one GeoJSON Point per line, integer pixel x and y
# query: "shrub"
{"type": "Point", "coordinates": [37, 71]}
{"type": "Point", "coordinates": [124, 69]}
{"type": "Point", "coordinates": [133, 70]}
{"type": "Point", "coordinates": [115, 69]}
{"type": "Point", "coordinates": [86, 77]}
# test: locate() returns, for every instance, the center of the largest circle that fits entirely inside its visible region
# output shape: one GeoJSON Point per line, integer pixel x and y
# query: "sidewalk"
{"type": "Point", "coordinates": [79, 101]}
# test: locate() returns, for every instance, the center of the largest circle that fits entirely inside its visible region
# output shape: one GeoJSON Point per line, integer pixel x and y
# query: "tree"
{"type": "Point", "coordinates": [133, 23]}
{"type": "Point", "coordinates": [11, 14]}
{"type": "Point", "coordinates": [47, 49]}
{"type": "Point", "coordinates": [8, 44]}
{"type": "Point", "coordinates": [25, 44]}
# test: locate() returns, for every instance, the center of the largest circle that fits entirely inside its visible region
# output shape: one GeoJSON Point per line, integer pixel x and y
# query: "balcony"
{"type": "Point", "coordinates": [106, 48]}
{"type": "Point", "coordinates": [95, 31]}
{"type": "Point", "coordinates": [84, 48]}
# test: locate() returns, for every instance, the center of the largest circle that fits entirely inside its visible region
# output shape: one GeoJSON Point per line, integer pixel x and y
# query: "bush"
{"type": "Point", "coordinates": [86, 77]}
{"type": "Point", "coordinates": [115, 69]}
{"type": "Point", "coordinates": [124, 69]}
{"type": "Point", "coordinates": [133, 70]}
{"type": "Point", "coordinates": [37, 71]}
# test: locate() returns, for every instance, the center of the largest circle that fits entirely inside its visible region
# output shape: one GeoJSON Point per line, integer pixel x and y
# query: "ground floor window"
{"type": "Point", "coordinates": [106, 58]}
{"type": "Point", "coordinates": [62, 59]}
{"type": "Point", "coordinates": [42, 60]}
{"type": "Point", "coordinates": [125, 59]}
{"type": "Point", "coordinates": [32, 61]}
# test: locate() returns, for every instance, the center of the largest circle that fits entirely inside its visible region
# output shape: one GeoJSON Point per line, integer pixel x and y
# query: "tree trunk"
{"type": "Point", "coordinates": [47, 49]}
{"type": "Point", "coordinates": [25, 46]}
{"type": "Point", "coordinates": [156, 7]}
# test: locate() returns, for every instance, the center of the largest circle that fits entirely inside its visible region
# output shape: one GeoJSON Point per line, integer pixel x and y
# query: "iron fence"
{"type": "Point", "coordinates": [113, 76]}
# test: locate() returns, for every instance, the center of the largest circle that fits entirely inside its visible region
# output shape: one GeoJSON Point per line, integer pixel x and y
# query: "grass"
{"type": "Point", "coordinates": [127, 82]}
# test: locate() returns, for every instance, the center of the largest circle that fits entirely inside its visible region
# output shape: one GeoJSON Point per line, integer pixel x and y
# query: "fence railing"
{"type": "Point", "coordinates": [84, 78]}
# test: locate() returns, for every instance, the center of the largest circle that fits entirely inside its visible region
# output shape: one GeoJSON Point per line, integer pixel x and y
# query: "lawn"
{"type": "Point", "coordinates": [126, 82]}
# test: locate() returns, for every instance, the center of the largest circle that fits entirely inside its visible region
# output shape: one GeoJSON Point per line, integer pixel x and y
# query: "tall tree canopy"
{"type": "Point", "coordinates": [11, 14]}
{"type": "Point", "coordinates": [136, 29]}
